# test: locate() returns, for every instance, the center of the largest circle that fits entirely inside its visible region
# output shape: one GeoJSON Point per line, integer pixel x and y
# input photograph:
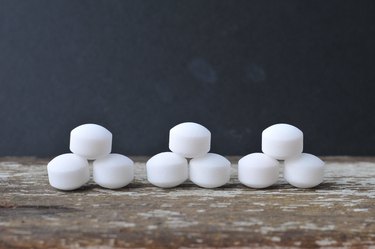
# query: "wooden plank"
{"type": "Point", "coordinates": [338, 214]}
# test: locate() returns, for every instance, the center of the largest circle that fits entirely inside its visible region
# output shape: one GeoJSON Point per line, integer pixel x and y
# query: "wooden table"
{"type": "Point", "coordinates": [339, 213]}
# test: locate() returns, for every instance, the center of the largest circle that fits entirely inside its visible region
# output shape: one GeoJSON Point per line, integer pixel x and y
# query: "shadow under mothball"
{"type": "Point", "coordinates": [189, 186]}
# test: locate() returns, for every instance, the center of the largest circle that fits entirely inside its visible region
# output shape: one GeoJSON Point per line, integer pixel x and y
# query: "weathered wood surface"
{"type": "Point", "coordinates": [338, 214]}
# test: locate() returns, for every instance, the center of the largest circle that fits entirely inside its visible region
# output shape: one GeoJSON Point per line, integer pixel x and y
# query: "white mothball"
{"type": "Point", "coordinates": [258, 170]}
{"type": "Point", "coordinates": [304, 171]}
{"type": "Point", "coordinates": [91, 141]}
{"type": "Point", "coordinates": [113, 171]}
{"type": "Point", "coordinates": [167, 170]}
{"type": "Point", "coordinates": [68, 172]}
{"type": "Point", "coordinates": [190, 140]}
{"type": "Point", "coordinates": [210, 171]}
{"type": "Point", "coordinates": [282, 141]}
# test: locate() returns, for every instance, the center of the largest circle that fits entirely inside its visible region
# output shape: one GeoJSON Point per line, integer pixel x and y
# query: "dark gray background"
{"type": "Point", "coordinates": [141, 67]}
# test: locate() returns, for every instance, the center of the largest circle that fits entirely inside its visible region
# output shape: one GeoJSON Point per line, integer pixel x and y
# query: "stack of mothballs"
{"type": "Point", "coordinates": [281, 142]}
{"type": "Point", "coordinates": [188, 140]}
{"type": "Point", "coordinates": [90, 142]}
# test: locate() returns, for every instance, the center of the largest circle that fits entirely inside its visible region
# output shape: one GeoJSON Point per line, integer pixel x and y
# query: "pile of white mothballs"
{"type": "Point", "coordinates": [281, 142]}
{"type": "Point", "coordinates": [90, 142]}
{"type": "Point", "coordinates": [188, 140]}
{"type": "Point", "coordinates": [170, 169]}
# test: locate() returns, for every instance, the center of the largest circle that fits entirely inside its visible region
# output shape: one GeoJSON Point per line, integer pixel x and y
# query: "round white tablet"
{"type": "Point", "coordinates": [282, 141]}
{"type": "Point", "coordinates": [113, 171]}
{"type": "Point", "coordinates": [304, 171]}
{"type": "Point", "coordinates": [190, 140]}
{"type": "Point", "coordinates": [258, 170]}
{"type": "Point", "coordinates": [210, 171]}
{"type": "Point", "coordinates": [68, 172]}
{"type": "Point", "coordinates": [90, 141]}
{"type": "Point", "coordinates": [167, 170]}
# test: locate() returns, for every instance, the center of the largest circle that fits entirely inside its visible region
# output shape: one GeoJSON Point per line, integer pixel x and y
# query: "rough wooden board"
{"type": "Point", "coordinates": [339, 213]}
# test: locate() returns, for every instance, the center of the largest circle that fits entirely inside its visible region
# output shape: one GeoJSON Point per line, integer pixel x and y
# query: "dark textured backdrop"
{"type": "Point", "coordinates": [141, 67]}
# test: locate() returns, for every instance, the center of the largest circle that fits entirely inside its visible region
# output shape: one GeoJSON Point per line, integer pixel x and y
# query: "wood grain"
{"type": "Point", "coordinates": [338, 214]}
